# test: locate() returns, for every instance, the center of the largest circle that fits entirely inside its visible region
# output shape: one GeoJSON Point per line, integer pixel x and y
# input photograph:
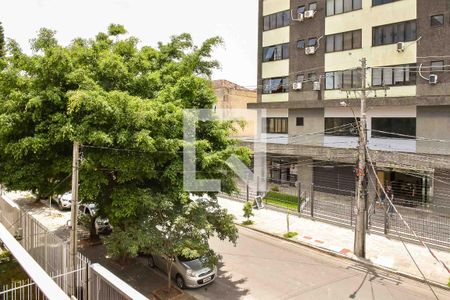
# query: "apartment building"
{"type": "Point", "coordinates": [309, 60]}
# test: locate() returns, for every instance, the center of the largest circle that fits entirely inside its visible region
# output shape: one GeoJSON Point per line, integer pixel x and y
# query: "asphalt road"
{"type": "Point", "coordinates": [262, 267]}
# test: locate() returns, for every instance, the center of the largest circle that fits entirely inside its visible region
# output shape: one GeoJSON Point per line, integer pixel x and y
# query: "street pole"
{"type": "Point", "coordinates": [361, 200]}
{"type": "Point", "coordinates": [74, 212]}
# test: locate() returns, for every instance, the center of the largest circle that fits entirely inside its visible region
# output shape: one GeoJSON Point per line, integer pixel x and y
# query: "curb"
{"type": "Point", "coordinates": [358, 260]}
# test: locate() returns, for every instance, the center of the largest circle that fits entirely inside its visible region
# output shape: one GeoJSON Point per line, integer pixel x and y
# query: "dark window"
{"type": "Point", "coordinates": [379, 2]}
{"type": "Point", "coordinates": [277, 20]}
{"type": "Point", "coordinates": [437, 66]}
{"type": "Point", "coordinates": [395, 75]}
{"type": "Point", "coordinates": [342, 79]}
{"type": "Point", "coordinates": [301, 44]}
{"type": "Point", "coordinates": [312, 6]}
{"type": "Point", "coordinates": [312, 42]}
{"type": "Point", "coordinates": [276, 125]}
{"type": "Point", "coordinates": [301, 9]}
{"type": "Point", "coordinates": [341, 126]}
{"type": "Point", "coordinates": [394, 33]}
{"type": "Point", "coordinates": [437, 20]}
{"type": "Point", "coordinates": [312, 76]}
{"type": "Point", "coordinates": [300, 121]}
{"type": "Point", "coordinates": [392, 127]}
{"type": "Point", "coordinates": [300, 78]}
{"type": "Point", "coordinates": [335, 7]}
{"type": "Point", "coordinates": [343, 41]}
{"type": "Point", "coordinates": [275, 85]}
{"type": "Point", "coordinates": [276, 52]}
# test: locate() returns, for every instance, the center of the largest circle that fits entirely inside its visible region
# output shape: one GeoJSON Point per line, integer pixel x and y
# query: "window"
{"type": "Point", "coordinates": [312, 76]}
{"type": "Point", "coordinates": [301, 9]}
{"type": "Point", "coordinates": [312, 42]}
{"type": "Point", "coordinates": [312, 6]}
{"type": "Point", "coordinates": [391, 127]}
{"type": "Point", "coordinates": [276, 125]}
{"type": "Point", "coordinates": [277, 20]}
{"type": "Point", "coordinates": [394, 33]}
{"type": "Point", "coordinates": [335, 7]}
{"type": "Point", "coordinates": [379, 2]}
{"type": "Point", "coordinates": [300, 78]}
{"type": "Point", "coordinates": [395, 75]}
{"type": "Point", "coordinates": [301, 44]}
{"type": "Point", "coordinates": [336, 126]}
{"type": "Point", "coordinates": [275, 85]}
{"type": "Point", "coordinates": [343, 41]}
{"type": "Point", "coordinates": [276, 52]}
{"type": "Point", "coordinates": [437, 66]}
{"type": "Point", "coordinates": [342, 79]}
{"type": "Point", "coordinates": [437, 20]}
{"type": "Point", "coordinates": [300, 121]}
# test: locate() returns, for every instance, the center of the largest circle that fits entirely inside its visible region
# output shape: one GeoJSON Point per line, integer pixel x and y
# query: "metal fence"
{"type": "Point", "coordinates": [52, 254]}
{"type": "Point", "coordinates": [431, 222]}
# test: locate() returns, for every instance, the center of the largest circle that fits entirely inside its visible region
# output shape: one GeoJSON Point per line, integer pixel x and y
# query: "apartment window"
{"type": "Point", "coordinates": [312, 42]}
{"type": "Point", "coordinates": [301, 44]}
{"type": "Point", "coordinates": [395, 75]}
{"type": "Point", "coordinates": [394, 33]}
{"type": "Point", "coordinates": [437, 20]}
{"type": "Point", "coordinates": [312, 6]}
{"type": "Point", "coordinates": [300, 121]}
{"type": "Point", "coordinates": [379, 2]}
{"type": "Point", "coordinates": [312, 77]}
{"type": "Point", "coordinates": [276, 125]}
{"type": "Point", "coordinates": [275, 85]}
{"type": "Point", "coordinates": [342, 79]}
{"type": "Point", "coordinates": [343, 41]}
{"type": "Point", "coordinates": [394, 127]}
{"type": "Point", "coordinates": [300, 78]}
{"type": "Point", "coordinates": [335, 7]}
{"type": "Point", "coordinates": [437, 66]}
{"type": "Point", "coordinates": [301, 9]}
{"type": "Point", "coordinates": [341, 126]}
{"type": "Point", "coordinates": [277, 20]}
{"type": "Point", "coordinates": [276, 52]}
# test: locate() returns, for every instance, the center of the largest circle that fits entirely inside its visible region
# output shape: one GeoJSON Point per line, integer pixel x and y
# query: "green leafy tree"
{"type": "Point", "coordinates": [2, 42]}
{"type": "Point", "coordinates": [248, 212]}
{"type": "Point", "coordinates": [124, 104]}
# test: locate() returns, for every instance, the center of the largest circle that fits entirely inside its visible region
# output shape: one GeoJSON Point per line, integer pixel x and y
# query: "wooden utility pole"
{"type": "Point", "coordinates": [361, 195]}
{"type": "Point", "coordinates": [74, 212]}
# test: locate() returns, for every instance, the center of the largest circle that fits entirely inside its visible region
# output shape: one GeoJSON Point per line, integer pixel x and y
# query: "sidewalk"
{"type": "Point", "coordinates": [380, 250]}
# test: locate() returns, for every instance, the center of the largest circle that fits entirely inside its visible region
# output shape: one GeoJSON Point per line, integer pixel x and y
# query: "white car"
{"type": "Point", "coordinates": [64, 201]}
{"type": "Point", "coordinates": [101, 225]}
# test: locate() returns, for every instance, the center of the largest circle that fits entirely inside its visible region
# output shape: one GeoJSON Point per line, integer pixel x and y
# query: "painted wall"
{"type": "Point", "coordinates": [273, 6]}
{"type": "Point", "coordinates": [434, 122]}
{"type": "Point", "coordinates": [275, 68]}
{"type": "Point", "coordinates": [313, 120]}
{"type": "Point", "coordinates": [282, 97]}
{"type": "Point", "coordinates": [275, 36]}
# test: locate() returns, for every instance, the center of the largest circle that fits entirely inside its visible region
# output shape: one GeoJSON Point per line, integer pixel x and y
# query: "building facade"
{"type": "Point", "coordinates": [309, 70]}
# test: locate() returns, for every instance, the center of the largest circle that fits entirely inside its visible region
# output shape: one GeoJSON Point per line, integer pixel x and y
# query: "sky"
{"type": "Point", "coordinates": [151, 21]}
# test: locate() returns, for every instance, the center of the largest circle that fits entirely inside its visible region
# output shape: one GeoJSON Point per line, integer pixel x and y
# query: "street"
{"type": "Point", "coordinates": [262, 267]}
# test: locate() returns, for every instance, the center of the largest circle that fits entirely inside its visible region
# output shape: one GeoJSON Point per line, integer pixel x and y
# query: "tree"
{"type": "Point", "coordinates": [124, 104]}
{"type": "Point", "coordinates": [2, 41]}
{"type": "Point", "coordinates": [248, 213]}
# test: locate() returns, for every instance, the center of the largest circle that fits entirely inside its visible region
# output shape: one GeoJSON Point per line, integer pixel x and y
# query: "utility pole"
{"type": "Point", "coordinates": [361, 198]}
{"type": "Point", "coordinates": [74, 212]}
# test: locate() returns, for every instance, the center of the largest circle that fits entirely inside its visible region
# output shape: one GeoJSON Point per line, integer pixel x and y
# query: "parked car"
{"type": "Point", "coordinates": [101, 224]}
{"type": "Point", "coordinates": [64, 201]}
{"type": "Point", "coordinates": [188, 273]}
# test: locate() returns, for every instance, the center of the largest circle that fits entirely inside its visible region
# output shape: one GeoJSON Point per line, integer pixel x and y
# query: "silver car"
{"type": "Point", "coordinates": [64, 201]}
{"type": "Point", "coordinates": [188, 273]}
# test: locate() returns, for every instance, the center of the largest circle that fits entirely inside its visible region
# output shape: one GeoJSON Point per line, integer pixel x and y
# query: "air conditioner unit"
{"type": "Point", "coordinates": [301, 17]}
{"type": "Point", "coordinates": [316, 86]}
{"type": "Point", "coordinates": [401, 47]}
{"type": "Point", "coordinates": [310, 50]}
{"type": "Point", "coordinates": [310, 14]}
{"type": "Point", "coordinates": [433, 79]}
{"type": "Point", "coordinates": [297, 86]}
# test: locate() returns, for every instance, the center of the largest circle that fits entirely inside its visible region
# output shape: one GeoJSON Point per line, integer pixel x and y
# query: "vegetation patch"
{"type": "Point", "coordinates": [290, 234]}
{"type": "Point", "coordinates": [281, 200]}
{"type": "Point", "coordinates": [248, 222]}
{"type": "Point", "coordinates": [10, 269]}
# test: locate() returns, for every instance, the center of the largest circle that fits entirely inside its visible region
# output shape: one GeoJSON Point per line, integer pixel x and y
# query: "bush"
{"type": "Point", "coordinates": [248, 211]}
{"type": "Point", "coordinates": [290, 234]}
{"type": "Point", "coordinates": [248, 222]}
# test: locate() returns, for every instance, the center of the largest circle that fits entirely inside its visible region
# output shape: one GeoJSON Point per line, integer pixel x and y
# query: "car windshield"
{"type": "Point", "coordinates": [193, 263]}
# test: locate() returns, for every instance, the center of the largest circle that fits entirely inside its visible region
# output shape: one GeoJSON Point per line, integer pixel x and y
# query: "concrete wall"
{"type": "Point", "coordinates": [313, 121]}
{"type": "Point", "coordinates": [433, 122]}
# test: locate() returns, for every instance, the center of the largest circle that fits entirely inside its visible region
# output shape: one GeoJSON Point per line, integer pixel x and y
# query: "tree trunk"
{"type": "Point", "coordinates": [93, 235]}
{"type": "Point", "coordinates": [169, 275]}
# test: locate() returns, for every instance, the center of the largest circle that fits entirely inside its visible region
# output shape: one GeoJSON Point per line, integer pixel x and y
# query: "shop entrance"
{"type": "Point", "coordinates": [408, 190]}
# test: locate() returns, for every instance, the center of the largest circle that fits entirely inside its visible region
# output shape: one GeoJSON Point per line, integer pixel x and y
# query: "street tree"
{"type": "Point", "coordinates": [2, 41]}
{"type": "Point", "coordinates": [124, 104]}
{"type": "Point", "coordinates": [248, 213]}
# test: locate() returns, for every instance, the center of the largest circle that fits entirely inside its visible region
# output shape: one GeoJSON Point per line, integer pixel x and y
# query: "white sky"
{"type": "Point", "coordinates": [151, 21]}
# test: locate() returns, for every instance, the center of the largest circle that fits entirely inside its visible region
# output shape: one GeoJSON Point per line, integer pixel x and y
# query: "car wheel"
{"type": "Point", "coordinates": [151, 262]}
{"type": "Point", "coordinates": [180, 281]}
